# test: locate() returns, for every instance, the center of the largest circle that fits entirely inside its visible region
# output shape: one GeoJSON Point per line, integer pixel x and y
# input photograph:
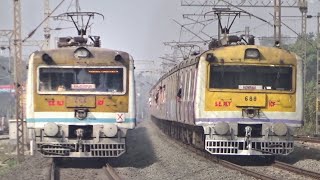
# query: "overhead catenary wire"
{"type": "Point", "coordinates": [247, 12]}
{"type": "Point", "coordinates": [33, 31]}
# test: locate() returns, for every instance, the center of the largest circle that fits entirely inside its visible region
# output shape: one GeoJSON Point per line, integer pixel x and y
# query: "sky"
{"type": "Point", "coordinates": [140, 27]}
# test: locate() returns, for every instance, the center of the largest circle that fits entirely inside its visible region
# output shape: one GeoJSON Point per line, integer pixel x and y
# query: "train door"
{"type": "Point", "coordinates": [189, 109]}
{"type": "Point", "coordinates": [179, 95]}
{"type": "Point", "coordinates": [172, 97]}
{"type": "Point", "coordinates": [175, 88]}
{"type": "Point", "coordinates": [193, 92]}
{"type": "Point", "coordinates": [187, 94]}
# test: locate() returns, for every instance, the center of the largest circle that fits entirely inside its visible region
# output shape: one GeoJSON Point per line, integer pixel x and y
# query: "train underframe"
{"type": "Point", "coordinates": [90, 146]}
{"type": "Point", "coordinates": [221, 145]}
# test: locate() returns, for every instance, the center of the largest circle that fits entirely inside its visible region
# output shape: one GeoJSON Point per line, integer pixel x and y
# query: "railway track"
{"type": "Point", "coordinates": [225, 163]}
{"type": "Point", "coordinates": [228, 164]}
{"type": "Point", "coordinates": [253, 173]}
{"type": "Point", "coordinates": [247, 171]}
{"type": "Point", "coordinates": [109, 172]}
{"type": "Point", "coordinates": [296, 170]}
{"type": "Point", "coordinates": [4, 137]}
{"type": "Point", "coordinates": [307, 139]}
{"type": "Point", "coordinates": [53, 171]}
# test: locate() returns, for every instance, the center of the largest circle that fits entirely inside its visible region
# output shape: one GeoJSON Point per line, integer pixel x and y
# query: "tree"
{"type": "Point", "coordinates": [311, 73]}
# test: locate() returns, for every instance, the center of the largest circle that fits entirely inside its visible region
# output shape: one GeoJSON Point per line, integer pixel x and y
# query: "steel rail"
{"type": "Point", "coordinates": [111, 173]}
{"type": "Point", "coordinates": [52, 171]}
{"type": "Point", "coordinates": [307, 139]}
{"type": "Point", "coordinates": [296, 170]}
{"type": "Point", "coordinates": [245, 171]}
{"type": "Point", "coordinates": [4, 138]}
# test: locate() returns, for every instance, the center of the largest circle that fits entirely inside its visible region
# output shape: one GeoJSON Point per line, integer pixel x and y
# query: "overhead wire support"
{"type": "Point", "coordinates": [243, 3]}
{"type": "Point", "coordinates": [277, 22]}
{"type": "Point", "coordinates": [182, 26]}
{"type": "Point", "coordinates": [43, 21]}
{"type": "Point", "coordinates": [46, 28]}
{"type": "Point", "coordinates": [18, 79]}
{"type": "Point", "coordinates": [318, 78]}
{"type": "Point", "coordinates": [303, 6]}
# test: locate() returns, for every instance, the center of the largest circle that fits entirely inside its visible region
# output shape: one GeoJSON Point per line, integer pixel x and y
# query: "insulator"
{"type": "Point", "coordinates": [97, 43]}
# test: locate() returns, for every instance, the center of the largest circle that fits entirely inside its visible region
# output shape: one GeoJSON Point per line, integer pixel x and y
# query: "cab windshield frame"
{"type": "Point", "coordinates": [245, 86]}
{"type": "Point", "coordinates": [83, 88]}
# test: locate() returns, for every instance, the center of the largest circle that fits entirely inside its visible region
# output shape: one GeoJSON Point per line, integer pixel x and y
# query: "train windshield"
{"type": "Point", "coordinates": [82, 80]}
{"type": "Point", "coordinates": [251, 77]}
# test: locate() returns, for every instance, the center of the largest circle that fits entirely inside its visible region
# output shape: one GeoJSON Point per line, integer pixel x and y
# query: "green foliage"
{"type": "Point", "coordinates": [311, 72]}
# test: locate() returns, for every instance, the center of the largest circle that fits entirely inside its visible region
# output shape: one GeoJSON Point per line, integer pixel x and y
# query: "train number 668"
{"type": "Point", "coordinates": [250, 98]}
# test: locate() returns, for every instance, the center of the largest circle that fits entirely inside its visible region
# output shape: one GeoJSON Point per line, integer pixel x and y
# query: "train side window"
{"type": "Point", "coordinates": [164, 94]}
{"type": "Point", "coordinates": [179, 94]}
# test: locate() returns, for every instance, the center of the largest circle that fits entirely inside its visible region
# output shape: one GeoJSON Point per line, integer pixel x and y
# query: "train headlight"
{"type": "Point", "coordinates": [110, 130]}
{"type": "Point", "coordinates": [47, 59]}
{"type": "Point", "coordinates": [252, 53]}
{"type": "Point", "coordinates": [81, 114]}
{"type": "Point", "coordinates": [51, 129]}
{"type": "Point", "coordinates": [82, 52]}
{"type": "Point", "coordinates": [118, 57]}
{"type": "Point", "coordinates": [280, 129]}
{"type": "Point", "coordinates": [251, 113]}
{"type": "Point", "coordinates": [211, 58]}
{"type": "Point", "coordinates": [221, 128]}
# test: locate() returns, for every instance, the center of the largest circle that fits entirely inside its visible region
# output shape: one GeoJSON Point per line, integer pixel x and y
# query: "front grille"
{"type": "Point", "coordinates": [86, 150]}
{"type": "Point", "coordinates": [235, 147]}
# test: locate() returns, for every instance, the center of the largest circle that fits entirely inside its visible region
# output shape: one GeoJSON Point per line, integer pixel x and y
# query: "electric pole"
{"type": "Point", "coordinates": [304, 9]}
{"type": "Point", "coordinates": [277, 22]}
{"type": "Point", "coordinates": [318, 78]}
{"type": "Point", "coordinates": [18, 78]}
{"type": "Point", "coordinates": [46, 28]}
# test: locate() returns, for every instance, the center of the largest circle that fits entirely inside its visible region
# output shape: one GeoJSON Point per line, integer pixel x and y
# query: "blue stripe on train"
{"type": "Point", "coordinates": [288, 121]}
{"type": "Point", "coordinates": [75, 120]}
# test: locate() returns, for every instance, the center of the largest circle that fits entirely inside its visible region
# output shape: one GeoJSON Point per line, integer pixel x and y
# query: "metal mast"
{"type": "Point", "coordinates": [303, 7]}
{"type": "Point", "coordinates": [277, 21]}
{"type": "Point", "coordinates": [318, 78]}
{"type": "Point", "coordinates": [18, 78]}
{"type": "Point", "coordinates": [242, 3]}
{"type": "Point", "coordinates": [46, 28]}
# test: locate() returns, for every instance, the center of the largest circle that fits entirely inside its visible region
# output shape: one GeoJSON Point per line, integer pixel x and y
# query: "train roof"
{"type": "Point", "coordinates": [272, 54]}
{"type": "Point", "coordinates": [67, 55]}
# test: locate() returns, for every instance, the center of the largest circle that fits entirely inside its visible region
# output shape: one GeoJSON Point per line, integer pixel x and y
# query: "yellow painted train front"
{"type": "Point", "coordinates": [233, 100]}
{"type": "Point", "coordinates": [80, 101]}
{"type": "Point", "coordinates": [252, 100]}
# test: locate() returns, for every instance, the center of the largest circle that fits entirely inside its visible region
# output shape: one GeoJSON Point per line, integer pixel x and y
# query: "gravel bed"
{"type": "Point", "coordinates": [152, 155]}
{"type": "Point", "coordinates": [34, 167]}
{"type": "Point", "coordinates": [82, 173]}
{"type": "Point", "coordinates": [305, 155]}
{"type": "Point", "coordinates": [277, 173]}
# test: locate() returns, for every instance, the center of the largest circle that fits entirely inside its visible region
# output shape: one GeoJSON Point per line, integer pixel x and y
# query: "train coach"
{"type": "Point", "coordinates": [80, 100]}
{"type": "Point", "coordinates": [236, 99]}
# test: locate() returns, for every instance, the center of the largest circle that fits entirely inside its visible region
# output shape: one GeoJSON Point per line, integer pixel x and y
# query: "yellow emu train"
{"type": "Point", "coordinates": [233, 100]}
{"type": "Point", "coordinates": [80, 101]}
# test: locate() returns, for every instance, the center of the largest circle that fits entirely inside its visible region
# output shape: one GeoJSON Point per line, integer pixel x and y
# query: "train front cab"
{"type": "Point", "coordinates": [251, 107]}
{"type": "Point", "coordinates": [79, 120]}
